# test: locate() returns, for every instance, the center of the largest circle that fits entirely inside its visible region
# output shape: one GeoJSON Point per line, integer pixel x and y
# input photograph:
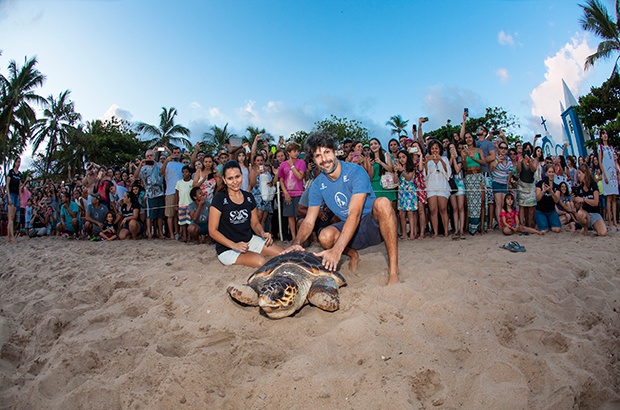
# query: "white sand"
{"type": "Point", "coordinates": [148, 325]}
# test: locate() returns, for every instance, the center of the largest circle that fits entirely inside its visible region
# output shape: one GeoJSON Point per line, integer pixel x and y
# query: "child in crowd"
{"type": "Point", "coordinates": [407, 194]}
{"type": "Point", "coordinates": [509, 218]}
{"type": "Point", "coordinates": [108, 233]}
{"type": "Point", "coordinates": [183, 189]}
{"type": "Point", "coordinates": [28, 217]}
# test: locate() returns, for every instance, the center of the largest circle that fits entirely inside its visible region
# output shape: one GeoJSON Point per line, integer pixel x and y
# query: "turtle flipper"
{"type": "Point", "coordinates": [243, 294]}
{"type": "Point", "coordinates": [324, 294]}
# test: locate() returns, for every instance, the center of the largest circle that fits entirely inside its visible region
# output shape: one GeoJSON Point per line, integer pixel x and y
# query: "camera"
{"type": "Point", "coordinates": [149, 162]}
{"type": "Point", "coordinates": [527, 152]}
{"type": "Point", "coordinates": [261, 168]}
{"type": "Point", "coordinates": [339, 152]}
{"type": "Point", "coordinates": [414, 150]}
{"type": "Point", "coordinates": [495, 132]}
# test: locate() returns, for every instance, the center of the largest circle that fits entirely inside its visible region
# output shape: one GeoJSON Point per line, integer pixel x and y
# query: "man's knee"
{"type": "Point", "coordinates": [328, 236]}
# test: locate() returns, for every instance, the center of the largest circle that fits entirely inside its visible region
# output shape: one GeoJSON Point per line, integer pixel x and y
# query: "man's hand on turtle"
{"type": "Point", "coordinates": [331, 258]}
{"type": "Point", "coordinates": [293, 248]}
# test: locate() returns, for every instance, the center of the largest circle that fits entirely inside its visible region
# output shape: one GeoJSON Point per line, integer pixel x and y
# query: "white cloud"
{"type": "Point", "coordinates": [215, 112]}
{"type": "Point", "coordinates": [195, 105]}
{"type": "Point", "coordinates": [502, 74]}
{"type": "Point", "coordinates": [118, 112]}
{"type": "Point", "coordinates": [505, 39]}
{"type": "Point", "coordinates": [566, 64]}
{"type": "Point", "coordinates": [447, 102]}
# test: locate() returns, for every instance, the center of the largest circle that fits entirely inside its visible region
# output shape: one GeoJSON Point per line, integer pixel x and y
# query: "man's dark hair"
{"type": "Point", "coordinates": [185, 167]}
{"type": "Point", "coordinates": [318, 140]}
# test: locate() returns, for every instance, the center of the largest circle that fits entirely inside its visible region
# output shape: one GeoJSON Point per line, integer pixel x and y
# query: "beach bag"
{"type": "Point", "coordinates": [267, 192]}
{"type": "Point", "coordinates": [388, 182]}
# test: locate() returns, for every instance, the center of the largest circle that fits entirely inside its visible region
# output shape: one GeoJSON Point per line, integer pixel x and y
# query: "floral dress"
{"type": "Point", "coordinates": [420, 183]}
{"type": "Point", "coordinates": [261, 204]}
{"type": "Point", "coordinates": [407, 195]}
{"type": "Point", "coordinates": [208, 188]}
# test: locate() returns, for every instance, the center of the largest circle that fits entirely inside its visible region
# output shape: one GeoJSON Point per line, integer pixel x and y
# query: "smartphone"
{"type": "Point", "coordinates": [466, 111]}
{"type": "Point", "coordinates": [425, 119]}
{"type": "Point", "coordinates": [261, 168]}
{"type": "Point", "coordinates": [235, 141]}
{"type": "Point", "coordinates": [161, 149]}
{"type": "Point", "coordinates": [149, 162]}
{"type": "Point", "coordinates": [247, 149]}
{"type": "Point", "coordinates": [494, 132]}
{"type": "Point", "coordinates": [414, 128]}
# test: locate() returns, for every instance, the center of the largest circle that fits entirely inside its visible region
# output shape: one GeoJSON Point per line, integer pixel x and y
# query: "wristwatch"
{"type": "Point", "coordinates": [292, 166]}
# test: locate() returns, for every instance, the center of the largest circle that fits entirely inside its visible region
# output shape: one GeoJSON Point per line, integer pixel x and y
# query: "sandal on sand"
{"type": "Point", "coordinates": [513, 247]}
{"type": "Point", "coordinates": [455, 237]}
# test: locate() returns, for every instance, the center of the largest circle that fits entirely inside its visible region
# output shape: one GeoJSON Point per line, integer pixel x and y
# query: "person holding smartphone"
{"type": "Point", "coordinates": [149, 172]}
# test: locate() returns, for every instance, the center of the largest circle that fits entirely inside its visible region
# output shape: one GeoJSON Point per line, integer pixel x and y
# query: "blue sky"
{"type": "Point", "coordinates": [283, 65]}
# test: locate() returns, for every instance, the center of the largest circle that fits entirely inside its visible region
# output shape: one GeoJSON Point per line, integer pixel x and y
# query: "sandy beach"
{"type": "Point", "coordinates": [149, 325]}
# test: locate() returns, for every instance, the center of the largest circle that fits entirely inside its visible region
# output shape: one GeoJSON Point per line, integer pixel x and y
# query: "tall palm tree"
{"type": "Point", "coordinates": [58, 121]}
{"type": "Point", "coordinates": [167, 132]}
{"type": "Point", "coordinates": [217, 137]}
{"type": "Point", "coordinates": [398, 125]}
{"type": "Point", "coordinates": [254, 131]}
{"type": "Point", "coordinates": [17, 92]}
{"type": "Point", "coordinates": [597, 20]}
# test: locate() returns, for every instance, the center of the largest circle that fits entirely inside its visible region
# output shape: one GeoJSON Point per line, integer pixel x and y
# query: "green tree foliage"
{"type": "Point", "coordinates": [343, 128]}
{"type": "Point", "coordinates": [112, 142]}
{"type": "Point", "coordinates": [596, 19]}
{"type": "Point", "coordinates": [167, 132]}
{"type": "Point", "coordinates": [600, 109]}
{"type": "Point", "coordinates": [17, 93]}
{"type": "Point", "coordinates": [397, 125]}
{"type": "Point", "coordinates": [495, 118]}
{"type": "Point", "coordinates": [216, 138]}
{"type": "Point", "coordinates": [58, 121]}
{"type": "Point", "coordinates": [299, 137]}
{"type": "Point", "coordinates": [446, 131]}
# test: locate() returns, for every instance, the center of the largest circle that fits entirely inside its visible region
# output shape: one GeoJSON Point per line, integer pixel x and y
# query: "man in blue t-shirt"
{"type": "Point", "coordinates": [365, 219]}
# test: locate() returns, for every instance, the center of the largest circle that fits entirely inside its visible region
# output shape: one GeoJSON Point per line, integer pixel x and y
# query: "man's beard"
{"type": "Point", "coordinates": [330, 170]}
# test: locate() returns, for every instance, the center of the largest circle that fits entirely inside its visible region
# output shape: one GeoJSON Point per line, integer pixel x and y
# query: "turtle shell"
{"type": "Point", "coordinates": [305, 260]}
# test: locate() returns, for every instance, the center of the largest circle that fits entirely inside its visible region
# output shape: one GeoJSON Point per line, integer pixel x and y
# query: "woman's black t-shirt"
{"type": "Point", "coordinates": [578, 191]}
{"type": "Point", "coordinates": [546, 203]}
{"type": "Point", "coordinates": [235, 221]}
{"type": "Point", "coordinates": [16, 178]}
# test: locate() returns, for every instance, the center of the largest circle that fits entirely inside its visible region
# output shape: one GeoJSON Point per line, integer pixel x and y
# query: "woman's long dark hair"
{"type": "Point", "coordinates": [382, 155]}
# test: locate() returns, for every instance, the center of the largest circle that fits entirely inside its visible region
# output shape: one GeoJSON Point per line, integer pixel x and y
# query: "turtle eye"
{"type": "Point", "coordinates": [277, 293]}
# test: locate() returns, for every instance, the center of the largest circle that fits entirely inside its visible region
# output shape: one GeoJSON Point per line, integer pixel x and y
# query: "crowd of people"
{"type": "Point", "coordinates": [462, 186]}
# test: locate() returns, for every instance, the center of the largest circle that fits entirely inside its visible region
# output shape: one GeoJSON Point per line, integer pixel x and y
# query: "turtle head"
{"type": "Point", "coordinates": [277, 297]}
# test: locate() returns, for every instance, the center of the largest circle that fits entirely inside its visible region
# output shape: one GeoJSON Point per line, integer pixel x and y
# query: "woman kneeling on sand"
{"type": "Point", "coordinates": [232, 218]}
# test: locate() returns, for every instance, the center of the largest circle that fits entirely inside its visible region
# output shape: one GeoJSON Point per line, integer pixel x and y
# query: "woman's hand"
{"type": "Point", "coordinates": [241, 247]}
{"type": "Point", "coordinates": [268, 238]}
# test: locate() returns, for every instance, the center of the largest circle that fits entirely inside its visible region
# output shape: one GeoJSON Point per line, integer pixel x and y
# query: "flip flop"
{"type": "Point", "coordinates": [517, 247]}
{"type": "Point", "coordinates": [509, 246]}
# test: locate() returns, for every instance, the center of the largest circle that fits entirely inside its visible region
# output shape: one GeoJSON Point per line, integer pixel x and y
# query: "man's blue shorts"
{"type": "Point", "coordinates": [367, 233]}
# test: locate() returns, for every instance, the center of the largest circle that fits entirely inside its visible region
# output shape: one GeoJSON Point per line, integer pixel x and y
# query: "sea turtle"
{"type": "Point", "coordinates": [286, 282]}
